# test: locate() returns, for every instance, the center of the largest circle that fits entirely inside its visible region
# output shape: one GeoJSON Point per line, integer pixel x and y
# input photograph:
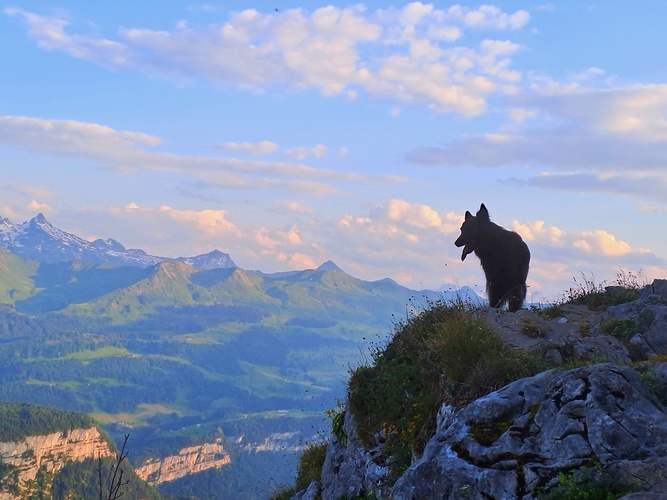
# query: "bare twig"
{"type": "Point", "coordinates": [115, 480]}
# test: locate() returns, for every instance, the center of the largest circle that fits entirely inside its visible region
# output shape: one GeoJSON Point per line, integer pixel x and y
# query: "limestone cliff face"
{"type": "Point", "coordinates": [283, 441]}
{"type": "Point", "coordinates": [51, 451]}
{"type": "Point", "coordinates": [189, 460]}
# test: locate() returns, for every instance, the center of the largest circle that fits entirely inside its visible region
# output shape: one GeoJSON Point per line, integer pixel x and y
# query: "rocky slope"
{"type": "Point", "coordinates": [51, 451]}
{"type": "Point", "coordinates": [605, 417]}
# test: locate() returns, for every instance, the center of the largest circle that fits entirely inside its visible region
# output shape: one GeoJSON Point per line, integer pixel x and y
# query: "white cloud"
{"type": "Point", "coordinates": [416, 215]}
{"type": "Point", "coordinates": [71, 138]}
{"type": "Point", "coordinates": [601, 242]}
{"type": "Point", "coordinates": [521, 114]}
{"type": "Point", "coordinates": [297, 260]}
{"type": "Point", "coordinates": [285, 246]}
{"type": "Point", "coordinates": [31, 192]}
{"type": "Point", "coordinates": [302, 152]}
{"type": "Point", "coordinates": [164, 230]}
{"type": "Point", "coordinates": [319, 151]}
{"type": "Point", "coordinates": [536, 231]}
{"type": "Point", "coordinates": [396, 239]}
{"type": "Point", "coordinates": [127, 151]}
{"type": "Point", "coordinates": [402, 54]}
{"type": "Point", "coordinates": [606, 140]}
{"type": "Point", "coordinates": [294, 207]}
{"type": "Point", "coordinates": [596, 243]}
{"type": "Point", "coordinates": [253, 148]}
{"type": "Point", "coordinates": [490, 16]}
{"type": "Point", "coordinates": [211, 222]}
{"type": "Point", "coordinates": [207, 223]}
{"type": "Point", "coordinates": [34, 206]}
{"type": "Point", "coordinates": [286, 237]}
{"type": "Point", "coordinates": [263, 238]}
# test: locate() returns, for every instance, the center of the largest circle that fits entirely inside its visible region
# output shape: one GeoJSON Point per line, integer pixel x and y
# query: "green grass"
{"type": "Point", "coordinates": [588, 483]}
{"type": "Point", "coordinates": [102, 352]}
{"type": "Point", "coordinates": [310, 464]}
{"type": "Point", "coordinates": [446, 354]}
{"type": "Point", "coordinates": [597, 296]}
{"type": "Point", "coordinates": [622, 329]}
{"type": "Point", "coordinates": [309, 469]}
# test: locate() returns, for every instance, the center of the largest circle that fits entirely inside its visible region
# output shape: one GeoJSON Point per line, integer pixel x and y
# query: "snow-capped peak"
{"type": "Point", "coordinates": [38, 239]}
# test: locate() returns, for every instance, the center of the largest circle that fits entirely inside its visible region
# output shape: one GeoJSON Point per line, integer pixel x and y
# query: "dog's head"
{"type": "Point", "coordinates": [471, 231]}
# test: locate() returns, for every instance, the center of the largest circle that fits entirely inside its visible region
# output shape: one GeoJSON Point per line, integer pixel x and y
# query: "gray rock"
{"type": "Point", "coordinates": [520, 437]}
{"type": "Point", "coordinates": [568, 333]}
{"type": "Point", "coordinates": [602, 347]}
{"type": "Point", "coordinates": [650, 315]}
{"type": "Point", "coordinates": [645, 496]}
{"type": "Point", "coordinates": [658, 287]}
{"type": "Point", "coordinates": [348, 469]}
{"type": "Point", "coordinates": [654, 320]}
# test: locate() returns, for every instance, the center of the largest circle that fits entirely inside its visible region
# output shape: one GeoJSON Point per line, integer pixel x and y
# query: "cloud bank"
{"type": "Point", "coordinates": [417, 53]}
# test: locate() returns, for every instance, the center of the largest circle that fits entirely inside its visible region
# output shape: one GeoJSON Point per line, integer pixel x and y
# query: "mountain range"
{"type": "Point", "coordinates": [37, 239]}
{"type": "Point", "coordinates": [58, 270]}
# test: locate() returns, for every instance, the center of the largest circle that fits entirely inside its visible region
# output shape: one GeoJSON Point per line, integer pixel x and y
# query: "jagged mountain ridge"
{"type": "Point", "coordinates": [100, 274]}
{"type": "Point", "coordinates": [38, 239]}
{"type": "Point", "coordinates": [126, 293]}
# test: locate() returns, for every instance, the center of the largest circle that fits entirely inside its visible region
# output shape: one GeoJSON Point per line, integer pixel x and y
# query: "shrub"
{"type": "Point", "coordinates": [552, 311]}
{"type": "Point", "coordinates": [654, 383]}
{"type": "Point", "coordinates": [622, 329]}
{"type": "Point", "coordinates": [337, 416]}
{"type": "Point", "coordinates": [310, 465]}
{"type": "Point", "coordinates": [284, 493]}
{"type": "Point", "coordinates": [588, 483]}
{"type": "Point", "coordinates": [531, 329]}
{"type": "Point", "coordinates": [308, 470]}
{"type": "Point", "coordinates": [447, 354]}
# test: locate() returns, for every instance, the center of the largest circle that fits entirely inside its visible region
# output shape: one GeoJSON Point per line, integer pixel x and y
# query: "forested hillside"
{"type": "Point", "coordinates": [178, 356]}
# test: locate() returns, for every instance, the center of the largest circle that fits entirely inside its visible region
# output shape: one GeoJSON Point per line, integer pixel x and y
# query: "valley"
{"type": "Point", "coordinates": [181, 357]}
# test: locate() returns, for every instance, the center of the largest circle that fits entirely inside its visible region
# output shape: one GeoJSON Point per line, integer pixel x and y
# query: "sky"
{"type": "Point", "coordinates": [289, 134]}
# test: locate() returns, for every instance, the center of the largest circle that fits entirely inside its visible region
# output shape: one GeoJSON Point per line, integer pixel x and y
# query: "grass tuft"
{"type": "Point", "coordinates": [446, 354]}
{"type": "Point", "coordinates": [588, 483]}
{"type": "Point", "coordinates": [310, 465]}
{"type": "Point", "coordinates": [625, 288]}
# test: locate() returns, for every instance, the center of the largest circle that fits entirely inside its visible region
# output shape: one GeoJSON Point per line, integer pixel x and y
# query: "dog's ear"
{"type": "Point", "coordinates": [483, 213]}
{"type": "Point", "coordinates": [468, 215]}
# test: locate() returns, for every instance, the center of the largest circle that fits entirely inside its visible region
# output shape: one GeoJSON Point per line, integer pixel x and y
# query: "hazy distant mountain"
{"type": "Point", "coordinates": [212, 260]}
{"type": "Point", "coordinates": [37, 239]}
{"type": "Point", "coordinates": [206, 278]}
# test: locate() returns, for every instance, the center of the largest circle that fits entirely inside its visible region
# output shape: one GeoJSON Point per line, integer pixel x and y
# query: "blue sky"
{"type": "Point", "coordinates": [291, 134]}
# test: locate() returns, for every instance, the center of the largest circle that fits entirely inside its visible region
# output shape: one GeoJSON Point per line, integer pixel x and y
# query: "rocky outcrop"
{"type": "Point", "coordinates": [514, 442]}
{"type": "Point", "coordinates": [348, 469]}
{"type": "Point", "coordinates": [52, 451]}
{"type": "Point", "coordinates": [189, 460]}
{"type": "Point", "coordinates": [574, 334]}
{"type": "Point", "coordinates": [646, 319]}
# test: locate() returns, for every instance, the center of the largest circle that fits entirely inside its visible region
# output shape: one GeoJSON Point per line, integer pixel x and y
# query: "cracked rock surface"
{"type": "Point", "coordinates": [552, 422]}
